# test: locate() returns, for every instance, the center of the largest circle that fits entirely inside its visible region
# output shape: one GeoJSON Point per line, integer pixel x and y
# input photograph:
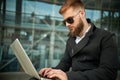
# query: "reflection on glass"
{"type": "Point", "coordinates": [41, 32]}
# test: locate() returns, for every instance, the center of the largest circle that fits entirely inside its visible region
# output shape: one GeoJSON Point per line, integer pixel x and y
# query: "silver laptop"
{"type": "Point", "coordinates": [24, 60]}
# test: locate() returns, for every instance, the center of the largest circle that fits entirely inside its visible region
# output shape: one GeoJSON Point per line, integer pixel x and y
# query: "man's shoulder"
{"type": "Point", "coordinates": [104, 32]}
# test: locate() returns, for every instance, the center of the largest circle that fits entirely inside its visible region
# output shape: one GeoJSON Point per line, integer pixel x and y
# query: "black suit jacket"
{"type": "Point", "coordinates": [93, 58]}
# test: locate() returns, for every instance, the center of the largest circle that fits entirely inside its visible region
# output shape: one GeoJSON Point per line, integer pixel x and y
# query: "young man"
{"type": "Point", "coordinates": [91, 53]}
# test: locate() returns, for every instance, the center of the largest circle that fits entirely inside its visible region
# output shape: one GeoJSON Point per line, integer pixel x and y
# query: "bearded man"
{"type": "Point", "coordinates": [91, 53]}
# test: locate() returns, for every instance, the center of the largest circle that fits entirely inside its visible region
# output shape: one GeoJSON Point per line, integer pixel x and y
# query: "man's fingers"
{"type": "Point", "coordinates": [41, 71]}
{"type": "Point", "coordinates": [44, 71]}
{"type": "Point", "coordinates": [47, 71]}
{"type": "Point", "coordinates": [55, 73]}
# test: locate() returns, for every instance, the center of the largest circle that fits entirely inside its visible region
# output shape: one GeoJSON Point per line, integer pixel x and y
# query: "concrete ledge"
{"type": "Point", "coordinates": [23, 76]}
{"type": "Point", "coordinates": [14, 76]}
{"type": "Point", "coordinates": [118, 77]}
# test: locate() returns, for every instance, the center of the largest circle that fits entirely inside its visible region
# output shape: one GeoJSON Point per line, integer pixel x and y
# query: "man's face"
{"type": "Point", "coordinates": [73, 21]}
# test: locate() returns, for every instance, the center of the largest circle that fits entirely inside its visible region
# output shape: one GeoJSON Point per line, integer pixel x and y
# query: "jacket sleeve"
{"type": "Point", "coordinates": [66, 61]}
{"type": "Point", "coordinates": [108, 66]}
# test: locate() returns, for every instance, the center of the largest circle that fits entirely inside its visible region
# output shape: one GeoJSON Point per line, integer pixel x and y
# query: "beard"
{"type": "Point", "coordinates": [78, 30]}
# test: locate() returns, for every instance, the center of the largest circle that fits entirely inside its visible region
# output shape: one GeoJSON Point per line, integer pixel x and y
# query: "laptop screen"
{"type": "Point", "coordinates": [24, 59]}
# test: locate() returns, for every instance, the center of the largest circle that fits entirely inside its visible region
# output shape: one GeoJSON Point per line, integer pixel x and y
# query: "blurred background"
{"type": "Point", "coordinates": [38, 26]}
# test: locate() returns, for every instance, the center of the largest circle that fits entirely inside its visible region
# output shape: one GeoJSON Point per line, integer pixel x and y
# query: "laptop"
{"type": "Point", "coordinates": [24, 60]}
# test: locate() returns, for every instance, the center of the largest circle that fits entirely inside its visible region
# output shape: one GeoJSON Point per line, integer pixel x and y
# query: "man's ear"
{"type": "Point", "coordinates": [82, 13]}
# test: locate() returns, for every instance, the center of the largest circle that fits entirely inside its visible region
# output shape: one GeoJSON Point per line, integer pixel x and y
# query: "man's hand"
{"type": "Point", "coordinates": [43, 72]}
{"type": "Point", "coordinates": [53, 73]}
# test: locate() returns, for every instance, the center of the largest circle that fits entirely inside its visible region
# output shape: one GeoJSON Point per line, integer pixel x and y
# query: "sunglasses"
{"type": "Point", "coordinates": [69, 20]}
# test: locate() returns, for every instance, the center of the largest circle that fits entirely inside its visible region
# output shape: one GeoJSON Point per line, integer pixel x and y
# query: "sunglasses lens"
{"type": "Point", "coordinates": [68, 20]}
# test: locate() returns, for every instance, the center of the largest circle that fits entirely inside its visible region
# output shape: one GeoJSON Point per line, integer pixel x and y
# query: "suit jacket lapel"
{"type": "Point", "coordinates": [77, 47]}
{"type": "Point", "coordinates": [80, 45]}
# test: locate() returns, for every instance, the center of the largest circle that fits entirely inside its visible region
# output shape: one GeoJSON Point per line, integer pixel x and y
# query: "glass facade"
{"type": "Point", "coordinates": [38, 26]}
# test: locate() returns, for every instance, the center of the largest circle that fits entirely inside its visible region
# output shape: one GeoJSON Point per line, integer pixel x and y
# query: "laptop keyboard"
{"type": "Point", "coordinates": [42, 78]}
{"type": "Point", "coordinates": [45, 78]}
